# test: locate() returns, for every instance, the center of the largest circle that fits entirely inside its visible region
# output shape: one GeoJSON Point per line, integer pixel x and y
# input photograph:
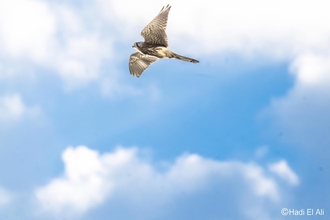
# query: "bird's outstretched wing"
{"type": "Point", "coordinates": [139, 62]}
{"type": "Point", "coordinates": [154, 32]}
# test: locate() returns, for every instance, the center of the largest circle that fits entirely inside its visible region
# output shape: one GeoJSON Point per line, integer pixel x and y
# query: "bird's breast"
{"type": "Point", "coordinates": [161, 52]}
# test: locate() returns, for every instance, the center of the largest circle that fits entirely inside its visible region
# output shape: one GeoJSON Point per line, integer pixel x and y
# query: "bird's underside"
{"type": "Point", "coordinates": [154, 46]}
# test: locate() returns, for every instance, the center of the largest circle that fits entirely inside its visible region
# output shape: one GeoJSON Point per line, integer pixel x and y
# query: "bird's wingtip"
{"type": "Point", "coordinates": [167, 7]}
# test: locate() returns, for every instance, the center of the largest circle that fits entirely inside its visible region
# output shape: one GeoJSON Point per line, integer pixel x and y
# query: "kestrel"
{"type": "Point", "coordinates": [154, 46]}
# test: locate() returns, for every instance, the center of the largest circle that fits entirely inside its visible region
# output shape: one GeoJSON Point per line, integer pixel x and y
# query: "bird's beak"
{"type": "Point", "coordinates": [133, 46]}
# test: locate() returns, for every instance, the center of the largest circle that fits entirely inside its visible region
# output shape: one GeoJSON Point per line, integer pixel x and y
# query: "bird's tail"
{"type": "Point", "coordinates": [187, 59]}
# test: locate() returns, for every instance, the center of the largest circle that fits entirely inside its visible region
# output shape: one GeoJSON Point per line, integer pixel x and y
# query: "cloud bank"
{"type": "Point", "coordinates": [91, 179]}
{"type": "Point", "coordinates": [75, 41]}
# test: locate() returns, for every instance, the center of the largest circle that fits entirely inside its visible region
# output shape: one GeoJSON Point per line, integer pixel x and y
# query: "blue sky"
{"type": "Point", "coordinates": [241, 135]}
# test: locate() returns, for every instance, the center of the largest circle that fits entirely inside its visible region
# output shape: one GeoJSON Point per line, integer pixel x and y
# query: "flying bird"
{"type": "Point", "coordinates": [154, 46]}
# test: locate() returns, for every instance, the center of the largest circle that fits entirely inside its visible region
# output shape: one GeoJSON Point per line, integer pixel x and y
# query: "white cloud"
{"type": "Point", "coordinates": [54, 36]}
{"type": "Point", "coordinates": [283, 170]}
{"type": "Point", "coordinates": [278, 29]}
{"type": "Point", "coordinates": [295, 32]}
{"type": "Point", "coordinates": [83, 186]}
{"type": "Point", "coordinates": [302, 115]}
{"type": "Point", "coordinates": [13, 108]}
{"type": "Point", "coordinates": [91, 179]}
{"type": "Point", "coordinates": [75, 41]}
{"type": "Point", "coordinates": [5, 196]}
{"type": "Point", "coordinates": [79, 48]}
{"type": "Point", "coordinates": [312, 69]}
{"type": "Point", "coordinates": [27, 26]}
{"type": "Point", "coordinates": [79, 61]}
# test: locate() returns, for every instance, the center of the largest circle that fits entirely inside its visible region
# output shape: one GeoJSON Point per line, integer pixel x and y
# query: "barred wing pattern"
{"type": "Point", "coordinates": [154, 32]}
{"type": "Point", "coordinates": [139, 62]}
